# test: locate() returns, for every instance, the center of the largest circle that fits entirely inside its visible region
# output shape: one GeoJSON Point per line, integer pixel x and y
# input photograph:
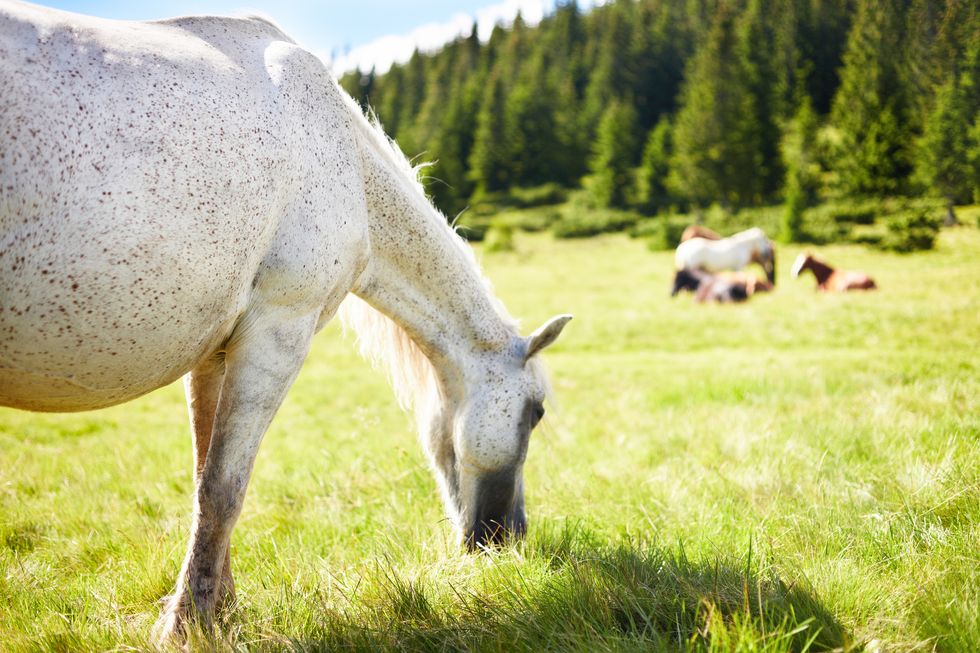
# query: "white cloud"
{"type": "Point", "coordinates": [383, 52]}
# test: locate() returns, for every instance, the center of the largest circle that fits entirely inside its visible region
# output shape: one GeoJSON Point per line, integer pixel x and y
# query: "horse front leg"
{"type": "Point", "coordinates": [259, 368]}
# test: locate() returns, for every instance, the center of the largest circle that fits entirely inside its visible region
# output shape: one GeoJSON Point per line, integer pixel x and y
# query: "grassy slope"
{"type": "Point", "coordinates": [801, 466]}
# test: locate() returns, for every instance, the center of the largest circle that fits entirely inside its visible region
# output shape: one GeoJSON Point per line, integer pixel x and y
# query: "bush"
{"type": "Point", "coordinates": [661, 233]}
{"type": "Point", "coordinates": [912, 230]}
{"type": "Point", "coordinates": [580, 222]}
{"type": "Point", "coordinates": [543, 195]}
{"type": "Point", "coordinates": [486, 204]}
{"type": "Point", "coordinates": [536, 219]}
{"type": "Point", "coordinates": [856, 211]}
{"type": "Point", "coordinates": [499, 238]}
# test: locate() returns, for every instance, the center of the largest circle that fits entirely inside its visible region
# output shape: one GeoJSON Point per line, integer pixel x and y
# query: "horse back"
{"type": "Point", "coordinates": [145, 172]}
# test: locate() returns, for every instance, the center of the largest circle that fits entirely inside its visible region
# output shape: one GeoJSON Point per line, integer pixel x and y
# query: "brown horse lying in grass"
{"type": "Point", "coordinates": [752, 283]}
{"type": "Point", "coordinates": [708, 287]}
{"type": "Point", "coordinates": [829, 279]}
{"type": "Point", "coordinates": [697, 231]}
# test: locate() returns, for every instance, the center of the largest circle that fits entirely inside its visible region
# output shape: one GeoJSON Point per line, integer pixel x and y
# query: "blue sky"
{"type": "Point", "coordinates": [348, 32]}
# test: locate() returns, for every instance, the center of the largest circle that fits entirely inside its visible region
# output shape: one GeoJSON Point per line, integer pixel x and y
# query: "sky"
{"type": "Point", "coordinates": [345, 33]}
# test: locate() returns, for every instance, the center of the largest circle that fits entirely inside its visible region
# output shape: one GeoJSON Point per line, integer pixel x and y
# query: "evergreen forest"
{"type": "Point", "coordinates": [640, 108]}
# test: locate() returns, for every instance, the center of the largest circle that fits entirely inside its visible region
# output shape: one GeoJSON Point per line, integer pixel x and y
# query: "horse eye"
{"type": "Point", "coordinates": [537, 412]}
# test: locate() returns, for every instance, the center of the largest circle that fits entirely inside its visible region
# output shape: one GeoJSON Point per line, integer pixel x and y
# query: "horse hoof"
{"type": "Point", "coordinates": [169, 630]}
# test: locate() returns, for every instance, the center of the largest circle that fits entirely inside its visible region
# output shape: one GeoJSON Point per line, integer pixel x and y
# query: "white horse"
{"type": "Point", "coordinates": [196, 197]}
{"type": "Point", "coordinates": [732, 253]}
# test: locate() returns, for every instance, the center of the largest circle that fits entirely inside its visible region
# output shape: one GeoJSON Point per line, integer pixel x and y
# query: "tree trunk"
{"type": "Point", "coordinates": [950, 220]}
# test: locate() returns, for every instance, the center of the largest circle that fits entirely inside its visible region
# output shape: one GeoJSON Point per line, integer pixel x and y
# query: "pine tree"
{"type": "Point", "coordinates": [802, 180]}
{"type": "Point", "coordinates": [821, 38]}
{"type": "Point", "coordinates": [651, 178]}
{"type": "Point", "coordinates": [973, 156]}
{"type": "Point", "coordinates": [612, 157]}
{"type": "Point", "coordinates": [611, 75]}
{"type": "Point", "coordinates": [535, 144]}
{"type": "Point", "coordinates": [943, 161]}
{"type": "Point", "coordinates": [718, 141]}
{"type": "Point", "coordinates": [491, 158]}
{"type": "Point", "coordinates": [871, 108]}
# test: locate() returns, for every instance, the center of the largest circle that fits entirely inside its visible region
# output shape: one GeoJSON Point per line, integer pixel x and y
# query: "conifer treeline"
{"type": "Point", "coordinates": [652, 103]}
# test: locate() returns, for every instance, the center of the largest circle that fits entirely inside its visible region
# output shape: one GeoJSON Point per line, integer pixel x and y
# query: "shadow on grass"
{"type": "Point", "coordinates": [566, 591]}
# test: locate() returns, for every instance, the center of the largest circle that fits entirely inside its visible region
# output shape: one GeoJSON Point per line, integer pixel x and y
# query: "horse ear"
{"type": "Point", "coordinates": [545, 335]}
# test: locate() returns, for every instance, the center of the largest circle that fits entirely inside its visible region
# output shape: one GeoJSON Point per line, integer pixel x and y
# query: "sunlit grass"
{"type": "Point", "coordinates": [798, 473]}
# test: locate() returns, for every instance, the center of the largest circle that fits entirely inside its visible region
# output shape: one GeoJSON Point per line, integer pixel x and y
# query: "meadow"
{"type": "Point", "coordinates": [798, 473]}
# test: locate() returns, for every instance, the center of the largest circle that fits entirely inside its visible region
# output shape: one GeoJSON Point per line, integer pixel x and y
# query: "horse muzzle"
{"type": "Point", "coordinates": [486, 534]}
{"type": "Point", "coordinates": [499, 514]}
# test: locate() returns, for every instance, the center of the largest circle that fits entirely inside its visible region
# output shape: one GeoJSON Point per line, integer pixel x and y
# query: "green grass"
{"type": "Point", "coordinates": [801, 472]}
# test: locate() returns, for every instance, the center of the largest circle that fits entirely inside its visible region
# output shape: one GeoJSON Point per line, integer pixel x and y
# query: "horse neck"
{"type": "Point", "coordinates": [821, 271]}
{"type": "Point", "coordinates": [420, 274]}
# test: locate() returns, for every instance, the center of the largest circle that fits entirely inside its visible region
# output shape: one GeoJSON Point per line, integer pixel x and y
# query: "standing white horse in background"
{"type": "Point", "coordinates": [732, 253]}
{"type": "Point", "coordinates": [196, 197]}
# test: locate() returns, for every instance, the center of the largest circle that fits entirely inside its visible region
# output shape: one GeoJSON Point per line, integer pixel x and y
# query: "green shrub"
{"type": "Point", "coordinates": [912, 230]}
{"type": "Point", "coordinates": [499, 238]}
{"type": "Point", "coordinates": [870, 239]}
{"type": "Point", "coordinates": [535, 219]}
{"type": "Point", "coordinates": [661, 232]}
{"type": "Point", "coordinates": [857, 211]}
{"type": "Point", "coordinates": [485, 204]}
{"type": "Point", "coordinates": [544, 195]}
{"type": "Point", "coordinates": [578, 222]}
{"type": "Point", "coordinates": [767, 218]}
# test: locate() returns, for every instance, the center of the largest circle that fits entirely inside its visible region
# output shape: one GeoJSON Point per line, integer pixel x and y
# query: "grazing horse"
{"type": "Point", "coordinates": [708, 287]}
{"type": "Point", "coordinates": [195, 198]}
{"type": "Point", "coordinates": [697, 231]}
{"type": "Point", "coordinates": [732, 253]}
{"type": "Point", "coordinates": [829, 279]}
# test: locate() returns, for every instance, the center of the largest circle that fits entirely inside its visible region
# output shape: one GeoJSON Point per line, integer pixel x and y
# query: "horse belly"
{"type": "Point", "coordinates": [93, 318]}
{"type": "Point", "coordinates": [132, 220]}
{"type": "Point", "coordinates": [857, 281]}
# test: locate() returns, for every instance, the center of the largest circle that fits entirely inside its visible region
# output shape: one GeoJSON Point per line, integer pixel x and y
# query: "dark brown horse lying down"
{"type": "Point", "coordinates": [829, 279]}
{"type": "Point", "coordinates": [708, 287]}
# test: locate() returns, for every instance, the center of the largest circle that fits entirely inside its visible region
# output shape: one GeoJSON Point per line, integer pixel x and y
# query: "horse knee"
{"type": "Point", "coordinates": [220, 501]}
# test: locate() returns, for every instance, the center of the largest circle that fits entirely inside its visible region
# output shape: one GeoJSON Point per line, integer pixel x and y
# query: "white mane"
{"type": "Point", "coordinates": [380, 339]}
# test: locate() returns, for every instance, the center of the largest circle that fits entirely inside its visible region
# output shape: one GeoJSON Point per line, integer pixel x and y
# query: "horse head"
{"type": "Point", "coordinates": [766, 257]}
{"type": "Point", "coordinates": [801, 263]}
{"type": "Point", "coordinates": [479, 440]}
{"type": "Point", "coordinates": [685, 279]}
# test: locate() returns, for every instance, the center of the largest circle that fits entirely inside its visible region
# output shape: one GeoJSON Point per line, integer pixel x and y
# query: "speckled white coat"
{"type": "Point", "coordinates": [196, 197]}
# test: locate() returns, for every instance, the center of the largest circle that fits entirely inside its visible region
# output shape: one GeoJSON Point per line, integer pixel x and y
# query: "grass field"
{"type": "Point", "coordinates": [801, 472]}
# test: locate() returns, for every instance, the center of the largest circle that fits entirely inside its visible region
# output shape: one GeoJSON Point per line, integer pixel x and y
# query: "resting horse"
{"type": "Point", "coordinates": [732, 253]}
{"type": "Point", "coordinates": [753, 284]}
{"type": "Point", "coordinates": [708, 287]}
{"type": "Point", "coordinates": [196, 197]}
{"type": "Point", "coordinates": [829, 279]}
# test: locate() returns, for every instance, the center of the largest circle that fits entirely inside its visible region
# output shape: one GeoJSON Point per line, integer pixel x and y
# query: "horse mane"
{"type": "Point", "coordinates": [380, 339]}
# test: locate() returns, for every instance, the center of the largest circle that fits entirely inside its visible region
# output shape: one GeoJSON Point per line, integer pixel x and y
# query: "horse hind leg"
{"type": "Point", "coordinates": [258, 371]}
{"type": "Point", "coordinates": [202, 388]}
